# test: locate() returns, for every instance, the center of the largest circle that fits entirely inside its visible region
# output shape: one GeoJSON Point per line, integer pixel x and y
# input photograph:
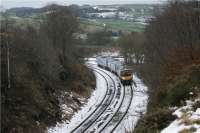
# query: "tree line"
{"type": "Point", "coordinates": [44, 64]}
{"type": "Point", "coordinates": [170, 42]}
{"type": "Point", "coordinates": [170, 52]}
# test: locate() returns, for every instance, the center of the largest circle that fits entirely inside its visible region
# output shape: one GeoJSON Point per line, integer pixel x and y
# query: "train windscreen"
{"type": "Point", "coordinates": [126, 73]}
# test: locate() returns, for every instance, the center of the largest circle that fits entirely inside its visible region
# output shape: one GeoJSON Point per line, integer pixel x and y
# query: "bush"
{"type": "Point", "coordinates": [172, 63]}
{"type": "Point", "coordinates": [154, 121]}
{"type": "Point", "coordinates": [178, 93]}
{"type": "Point", "coordinates": [173, 94]}
{"type": "Point", "coordinates": [37, 57]}
{"type": "Point", "coordinates": [181, 86]}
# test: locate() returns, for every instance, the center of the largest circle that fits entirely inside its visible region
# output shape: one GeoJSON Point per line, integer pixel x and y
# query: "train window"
{"type": "Point", "coordinates": [126, 73]}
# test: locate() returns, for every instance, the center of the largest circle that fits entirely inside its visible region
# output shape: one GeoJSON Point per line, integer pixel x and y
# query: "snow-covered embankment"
{"type": "Point", "coordinates": [188, 119]}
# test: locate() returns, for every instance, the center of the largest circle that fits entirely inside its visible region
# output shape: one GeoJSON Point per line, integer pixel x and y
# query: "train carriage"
{"type": "Point", "coordinates": [116, 67]}
{"type": "Point", "coordinates": [109, 61]}
{"type": "Point", "coordinates": [101, 61]}
{"type": "Point", "coordinates": [113, 66]}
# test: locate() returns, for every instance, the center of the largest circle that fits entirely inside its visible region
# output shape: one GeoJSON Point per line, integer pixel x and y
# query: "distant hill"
{"type": "Point", "coordinates": [83, 10]}
{"type": "Point", "coordinates": [27, 11]}
{"type": "Point", "coordinates": [24, 11]}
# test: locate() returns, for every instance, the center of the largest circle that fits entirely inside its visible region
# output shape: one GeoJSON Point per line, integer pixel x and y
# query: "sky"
{"type": "Point", "coordinates": [39, 3]}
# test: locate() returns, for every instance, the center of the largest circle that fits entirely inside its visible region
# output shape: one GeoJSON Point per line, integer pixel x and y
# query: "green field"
{"type": "Point", "coordinates": [115, 25]}
{"type": "Point", "coordinates": [90, 25]}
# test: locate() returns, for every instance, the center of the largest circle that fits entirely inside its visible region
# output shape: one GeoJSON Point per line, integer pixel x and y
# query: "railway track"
{"type": "Point", "coordinates": [101, 122]}
{"type": "Point", "coordinates": [85, 124]}
{"type": "Point", "coordinates": [103, 119]}
{"type": "Point", "coordinates": [120, 113]}
{"type": "Point", "coordinates": [103, 129]}
{"type": "Point", "coordinates": [129, 104]}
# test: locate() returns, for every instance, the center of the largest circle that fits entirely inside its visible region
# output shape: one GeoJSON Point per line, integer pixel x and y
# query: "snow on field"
{"type": "Point", "coordinates": [110, 53]}
{"type": "Point", "coordinates": [91, 104]}
{"type": "Point", "coordinates": [103, 14]}
{"type": "Point", "coordinates": [138, 107]}
{"type": "Point", "coordinates": [105, 8]}
{"type": "Point", "coordinates": [187, 118]}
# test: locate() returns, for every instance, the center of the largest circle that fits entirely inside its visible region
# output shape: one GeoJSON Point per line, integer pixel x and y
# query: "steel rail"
{"type": "Point", "coordinates": [115, 112]}
{"type": "Point", "coordinates": [125, 112]}
{"type": "Point", "coordinates": [108, 122]}
{"type": "Point", "coordinates": [90, 124]}
{"type": "Point", "coordinates": [102, 101]}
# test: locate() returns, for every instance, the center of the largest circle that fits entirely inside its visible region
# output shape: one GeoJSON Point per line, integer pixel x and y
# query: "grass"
{"type": "Point", "coordinates": [23, 22]}
{"type": "Point", "coordinates": [191, 130]}
{"type": "Point", "coordinates": [154, 121]}
{"type": "Point", "coordinates": [186, 120]}
{"type": "Point", "coordinates": [92, 25]}
{"type": "Point", "coordinates": [173, 94]}
{"type": "Point", "coordinates": [115, 25]}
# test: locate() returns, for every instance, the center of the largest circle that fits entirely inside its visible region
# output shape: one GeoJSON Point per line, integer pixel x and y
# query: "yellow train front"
{"type": "Point", "coordinates": [126, 77]}
{"type": "Point", "coordinates": [115, 66]}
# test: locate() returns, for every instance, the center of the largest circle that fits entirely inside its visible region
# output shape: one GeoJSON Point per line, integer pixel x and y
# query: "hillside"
{"type": "Point", "coordinates": [172, 70]}
{"type": "Point", "coordinates": [101, 68]}
{"type": "Point", "coordinates": [38, 76]}
{"type": "Point", "coordinates": [115, 17]}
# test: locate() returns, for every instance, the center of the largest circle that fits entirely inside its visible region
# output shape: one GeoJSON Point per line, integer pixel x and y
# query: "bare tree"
{"type": "Point", "coordinates": [59, 26]}
{"type": "Point", "coordinates": [5, 35]}
{"type": "Point", "coordinates": [172, 40]}
{"type": "Point", "coordinates": [132, 47]}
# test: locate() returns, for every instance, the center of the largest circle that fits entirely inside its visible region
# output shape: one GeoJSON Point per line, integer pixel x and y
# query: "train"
{"type": "Point", "coordinates": [115, 66]}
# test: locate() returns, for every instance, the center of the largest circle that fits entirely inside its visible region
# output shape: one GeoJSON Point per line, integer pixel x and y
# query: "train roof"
{"type": "Point", "coordinates": [110, 58]}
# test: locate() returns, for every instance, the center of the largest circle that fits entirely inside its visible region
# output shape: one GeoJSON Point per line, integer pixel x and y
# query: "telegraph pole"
{"type": "Point", "coordinates": [7, 52]}
{"type": "Point", "coordinates": [8, 62]}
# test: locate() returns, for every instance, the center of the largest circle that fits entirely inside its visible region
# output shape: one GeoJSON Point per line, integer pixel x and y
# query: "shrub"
{"type": "Point", "coordinates": [154, 121]}
{"type": "Point", "coordinates": [191, 130]}
{"type": "Point", "coordinates": [177, 94]}
{"type": "Point", "coordinates": [181, 86]}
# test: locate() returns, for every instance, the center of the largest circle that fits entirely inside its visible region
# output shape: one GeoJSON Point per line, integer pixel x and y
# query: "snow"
{"type": "Point", "coordinates": [93, 101]}
{"type": "Point", "coordinates": [66, 109]}
{"type": "Point", "coordinates": [191, 93]}
{"type": "Point", "coordinates": [197, 111]}
{"type": "Point", "coordinates": [138, 107]}
{"type": "Point", "coordinates": [112, 108]}
{"type": "Point", "coordinates": [184, 113]}
{"type": "Point", "coordinates": [108, 53]}
{"type": "Point", "coordinates": [174, 127]}
{"type": "Point", "coordinates": [103, 14]}
{"type": "Point", "coordinates": [196, 115]}
{"type": "Point", "coordinates": [105, 8]}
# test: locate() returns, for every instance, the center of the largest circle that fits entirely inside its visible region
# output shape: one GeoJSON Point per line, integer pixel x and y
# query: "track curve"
{"type": "Point", "coordinates": [90, 120]}
{"type": "Point", "coordinates": [99, 105]}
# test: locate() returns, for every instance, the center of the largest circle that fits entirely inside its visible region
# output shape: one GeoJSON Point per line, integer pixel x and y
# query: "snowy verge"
{"type": "Point", "coordinates": [188, 119]}
{"type": "Point", "coordinates": [137, 109]}
{"type": "Point", "coordinates": [97, 95]}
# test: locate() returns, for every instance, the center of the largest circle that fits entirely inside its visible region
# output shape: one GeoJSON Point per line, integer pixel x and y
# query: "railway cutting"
{"type": "Point", "coordinates": [117, 100]}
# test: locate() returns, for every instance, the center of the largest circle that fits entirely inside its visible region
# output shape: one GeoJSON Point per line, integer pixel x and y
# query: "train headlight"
{"type": "Point", "coordinates": [123, 78]}
{"type": "Point", "coordinates": [127, 78]}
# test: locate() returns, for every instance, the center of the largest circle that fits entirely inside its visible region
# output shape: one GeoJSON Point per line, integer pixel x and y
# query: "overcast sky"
{"type": "Point", "coordinates": [39, 3]}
